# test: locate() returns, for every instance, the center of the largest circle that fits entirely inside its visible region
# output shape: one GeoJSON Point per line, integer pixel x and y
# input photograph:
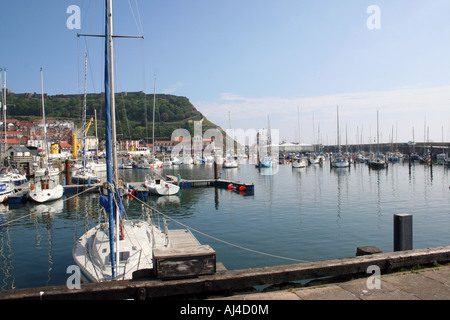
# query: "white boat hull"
{"type": "Point", "coordinates": [91, 251]}
{"type": "Point", "coordinates": [45, 195]}
{"type": "Point", "coordinates": [6, 190]}
{"type": "Point", "coordinates": [340, 164]}
{"type": "Point", "coordinates": [230, 164]}
{"type": "Point", "coordinates": [299, 164]}
{"type": "Point", "coordinates": [161, 187]}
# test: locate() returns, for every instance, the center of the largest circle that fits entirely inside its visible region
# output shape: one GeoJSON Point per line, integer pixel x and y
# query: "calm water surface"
{"type": "Point", "coordinates": [304, 214]}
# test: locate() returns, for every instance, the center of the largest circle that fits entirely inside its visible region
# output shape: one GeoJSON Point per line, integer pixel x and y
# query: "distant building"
{"type": "Point", "coordinates": [294, 147]}
{"type": "Point", "coordinates": [20, 154]}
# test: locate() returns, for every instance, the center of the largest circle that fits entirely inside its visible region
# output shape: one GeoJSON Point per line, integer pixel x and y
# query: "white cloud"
{"type": "Point", "coordinates": [405, 107]}
{"type": "Point", "coordinates": [173, 89]}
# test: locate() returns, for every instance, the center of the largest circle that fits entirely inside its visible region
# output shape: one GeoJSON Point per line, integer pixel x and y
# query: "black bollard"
{"type": "Point", "coordinates": [403, 232]}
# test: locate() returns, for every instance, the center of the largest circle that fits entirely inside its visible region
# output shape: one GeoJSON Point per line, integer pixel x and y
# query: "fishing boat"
{"type": "Point", "coordinates": [45, 188]}
{"type": "Point", "coordinates": [117, 248]}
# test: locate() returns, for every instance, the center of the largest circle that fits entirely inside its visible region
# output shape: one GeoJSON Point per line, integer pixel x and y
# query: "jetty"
{"type": "Point", "coordinates": [213, 182]}
{"type": "Point", "coordinates": [141, 191]}
{"type": "Point", "coordinates": [226, 282]}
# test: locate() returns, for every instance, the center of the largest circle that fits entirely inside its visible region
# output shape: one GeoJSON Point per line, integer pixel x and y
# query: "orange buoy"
{"type": "Point", "coordinates": [230, 186]}
{"type": "Point", "coordinates": [241, 188]}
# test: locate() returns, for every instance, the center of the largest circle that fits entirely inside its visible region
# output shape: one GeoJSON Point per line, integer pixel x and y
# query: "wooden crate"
{"type": "Point", "coordinates": [186, 262]}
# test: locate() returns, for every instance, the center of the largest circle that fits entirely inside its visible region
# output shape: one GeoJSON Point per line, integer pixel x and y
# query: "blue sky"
{"type": "Point", "coordinates": [254, 60]}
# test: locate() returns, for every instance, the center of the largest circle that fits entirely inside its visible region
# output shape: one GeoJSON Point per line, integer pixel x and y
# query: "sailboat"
{"type": "Point", "coordinates": [230, 161]}
{"type": "Point", "coordinates": [158, 185]}
{"type": "Point", "coordinates": [339, 161]}
{"type": "Point", "coordinates": [6, 187]}
{"type": "Point", "coordinates": [45, 187]}
{"type": "Point", "coordinates": [118, 247]}
{"type": "Point", "coordinates": [377, 162]}
{"type": "Point", "coordinates": [84, 175]}
{"type": "Point", "coordinates": [264, 141]}
{"type": "Point", "coordinates": [11, 174]}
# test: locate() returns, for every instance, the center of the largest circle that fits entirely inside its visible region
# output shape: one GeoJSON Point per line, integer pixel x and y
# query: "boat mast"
{"type": "Point", "coordinates": [338, 138]}
{"type": "Point", "coordinates": [153, 130]}
{"type": "Point", "coordinates": [4, 112]}
{"type": "Point", "coordinates": [5, 136]}
{"type": "Point", "coordinates": [109, 129]}
{"type": "Point", "coordinates": [44, 122]}
{"type": "Point", "coordinates": [84, 111]}
{"type": "Point", "coordinates": [153, 125]}
{"type": "Point", "coordinates": [378, 140]}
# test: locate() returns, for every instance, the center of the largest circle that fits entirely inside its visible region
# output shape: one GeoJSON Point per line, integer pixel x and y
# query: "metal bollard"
{"type": "Point", "coordinates": [403, 232]}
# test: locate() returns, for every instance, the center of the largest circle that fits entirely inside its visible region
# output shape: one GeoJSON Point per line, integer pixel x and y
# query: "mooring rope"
{"type": "Point", "coordinates": [217, 239]}
{"type": "Point", "coordinates": [180, 223]}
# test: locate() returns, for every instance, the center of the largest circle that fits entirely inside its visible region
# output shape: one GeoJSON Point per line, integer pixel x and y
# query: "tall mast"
{"type": "Point", "coordinates": [337, 120]}
{"type": "Point", "coordinates": [153, 130]}
{"type": "Point", "coordinates": [44, 122]}
{"type": "Point", "coordinates": [109, 128]}
{"type": "Point", "coordinates": [5, 136]}
{"type": "Point", "coordinates": [84, 111]}
{"type": "Point", "coordinates": [4, 111]}
{"type": "Point", "coordinates": [378, 142]}
{"type": "Point", "coordinates": [153, 125]}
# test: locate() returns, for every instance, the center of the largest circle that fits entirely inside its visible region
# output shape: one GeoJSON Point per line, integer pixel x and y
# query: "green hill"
{"type": "Point", "coordinates": [134, 112]}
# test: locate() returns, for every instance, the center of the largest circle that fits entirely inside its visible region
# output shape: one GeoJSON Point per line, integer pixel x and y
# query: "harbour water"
{"type": "Point", "coordinates": [294, 215]}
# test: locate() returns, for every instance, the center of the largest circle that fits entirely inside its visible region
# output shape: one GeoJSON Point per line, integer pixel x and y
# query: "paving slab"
{"type": "Point", "coordinates": [275, 295]}
{"type": "Point", "coordinates": [420, 286]}
{"type": "Point", "coordinates": [332, 292]}
{"type": "Point", "coordinates": [439, 274]}
{"type": "Point", "coordinates": [385, 290]}
{"type": "Point", "coordinates": [426, 284]}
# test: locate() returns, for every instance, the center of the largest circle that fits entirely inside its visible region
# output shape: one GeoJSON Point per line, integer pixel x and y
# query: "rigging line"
{"type": "Point", "coordinates": [139, 17]}
{"type": "Point", "coordinates": [134, 17]}
{"type": "Point", "coordinates": [81, 192]}
{"type": "Point", "coordinates": [219, 240]}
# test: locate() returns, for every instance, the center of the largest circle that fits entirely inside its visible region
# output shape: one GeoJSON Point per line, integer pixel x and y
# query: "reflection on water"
{"type": "Point", "coordinates": [309, 214]}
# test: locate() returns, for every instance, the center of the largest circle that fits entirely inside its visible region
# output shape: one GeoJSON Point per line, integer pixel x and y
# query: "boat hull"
{"type": "Point", "coordinates": [45, 195]}
{"type": "Point", "coordinates": [161, 187]}
{"type": "Point", "coordinates": [91, 251]}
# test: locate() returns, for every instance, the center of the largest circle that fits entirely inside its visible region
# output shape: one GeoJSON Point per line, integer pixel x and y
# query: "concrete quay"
{"type": "Point", "coordinates": [423, 284]}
